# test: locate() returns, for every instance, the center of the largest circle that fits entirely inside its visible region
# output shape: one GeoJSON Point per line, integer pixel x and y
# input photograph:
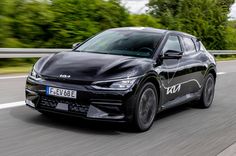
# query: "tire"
{"type": "Point", "coordinates": [208, 92]}
{"type": "Point", "coordinates": [145, 108]}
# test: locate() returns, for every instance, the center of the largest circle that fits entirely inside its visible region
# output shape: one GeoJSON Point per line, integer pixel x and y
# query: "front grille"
{"type": "Point", "coordinates": [73, 106]}
{"type": "Point", "coordinates": [48, 102]}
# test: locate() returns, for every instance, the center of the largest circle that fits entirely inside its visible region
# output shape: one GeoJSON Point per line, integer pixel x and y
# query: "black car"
{"type": "Point", "coordinates": [124, 75]}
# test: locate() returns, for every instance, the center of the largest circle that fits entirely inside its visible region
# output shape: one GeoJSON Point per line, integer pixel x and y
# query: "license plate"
{"type": "Point", "coordinates": [61, 92]}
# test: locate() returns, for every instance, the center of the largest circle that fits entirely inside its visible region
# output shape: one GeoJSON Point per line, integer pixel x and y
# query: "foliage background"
{"type": "Point", "coordinates": [60, 23]}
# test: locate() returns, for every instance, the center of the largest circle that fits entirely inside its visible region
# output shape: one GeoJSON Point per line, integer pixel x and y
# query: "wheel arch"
{"type": "Point", "coordinates": [148, 77]}
{"type": "Point", "coordinates": [212, 70]}
{"type": "Point", "coordinates": [153, 78]}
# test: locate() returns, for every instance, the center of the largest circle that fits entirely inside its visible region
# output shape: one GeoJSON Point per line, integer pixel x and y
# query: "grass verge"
{"type": "Point", "coordinates": [15, 70]}
{"type": "Point", "coordinates": [225, 57]}
{"type": "Point", "coordinates": [16, 65]}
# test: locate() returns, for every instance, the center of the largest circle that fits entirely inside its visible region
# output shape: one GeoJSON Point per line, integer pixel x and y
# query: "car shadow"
{"type": "Point", "coordinates": [175, 110]}
{"type": "Point", "coordinates": [29, 116]}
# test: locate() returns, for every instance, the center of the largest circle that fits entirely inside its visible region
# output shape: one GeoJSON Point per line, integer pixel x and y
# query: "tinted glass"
{"type": "Point", "coordinates": [189, 45]}
{"type": "Point", "coordinates": [202, 47]}
{"type": "Point", "coordinates": [172, 44]}
{"type": "Point", "coordinates": [197, 44]}
{"type": "Point", "coordinates": [123, 42]}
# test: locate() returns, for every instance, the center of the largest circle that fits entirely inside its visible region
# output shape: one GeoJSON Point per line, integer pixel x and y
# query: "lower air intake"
{"type": "Point", "coordinates": [51, 103]}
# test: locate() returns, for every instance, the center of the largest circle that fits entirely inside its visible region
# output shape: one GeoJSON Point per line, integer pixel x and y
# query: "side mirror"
{"type": "Point", "coordinates": [75, 45]}
{"type": "Point", "coordinates": [172, 54]}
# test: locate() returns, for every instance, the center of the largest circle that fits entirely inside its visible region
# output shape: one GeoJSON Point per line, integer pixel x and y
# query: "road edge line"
{"type": "Point", "coordinates": [12, 77]}
{"type": "Point", "coordinates": [12, 104]}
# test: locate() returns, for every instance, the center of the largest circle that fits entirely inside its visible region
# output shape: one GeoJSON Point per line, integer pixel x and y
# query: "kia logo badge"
{"type": "Point", "coordinates": [64, 76]}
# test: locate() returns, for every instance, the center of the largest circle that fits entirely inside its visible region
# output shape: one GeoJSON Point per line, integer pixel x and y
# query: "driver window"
{"type": "Point", "coordinates": [172, 44]}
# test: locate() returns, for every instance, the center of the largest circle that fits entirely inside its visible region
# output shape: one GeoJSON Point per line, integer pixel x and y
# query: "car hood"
{"type": "Point", "coordinates": [84, 66]}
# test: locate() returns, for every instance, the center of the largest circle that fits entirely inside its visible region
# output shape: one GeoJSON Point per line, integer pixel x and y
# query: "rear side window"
{"type": "Point", "coordinates": [202, 48]}
{"type": "Point", "coordinates": [172, 44]}
{"type": "Point", "coordinates": [189, 45]}
{"type": "Point", "coordinates": [197, 44]}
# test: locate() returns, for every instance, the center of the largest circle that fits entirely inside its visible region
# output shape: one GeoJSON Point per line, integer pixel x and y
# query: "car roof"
{"type": "Point", "coordinates": [153, 30]}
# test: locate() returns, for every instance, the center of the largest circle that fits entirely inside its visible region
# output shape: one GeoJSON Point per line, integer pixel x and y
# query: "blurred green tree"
{"type": "Point", "coordinates": [230, 35]}
{"type": "Point", "coordinates": [78, 20]}
{"type": "Point", "coordinates": [60, 23]}
{"type": "Point", "coordinates": [57, 23]}
{"type": "Point", "coordinates": [206, 19]}
{"type": "Point", "coordinates": [25, 23]}
{"type": "Point", "coordinates": [6, 19]}
{"type": "Point", "coordinates": [32, 23]}
{"type": "Point", "coordinates": [145, 20]}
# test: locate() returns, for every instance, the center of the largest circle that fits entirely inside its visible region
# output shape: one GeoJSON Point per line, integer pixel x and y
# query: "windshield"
{"type": "Point", "coordinates": [123, 42]}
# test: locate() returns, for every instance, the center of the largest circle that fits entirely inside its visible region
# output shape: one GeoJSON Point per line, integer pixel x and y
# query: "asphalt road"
{"type": "Point", "coordinates": [178, 132]}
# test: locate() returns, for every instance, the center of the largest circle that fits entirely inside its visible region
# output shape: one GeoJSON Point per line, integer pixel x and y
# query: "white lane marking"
{"type": "Point", "coordinates": [12, 77]}
{"type": "Point", "coordinates": [221, 73]}
{"type": "Point", "coordinates": [12, 104]}
{"type": "Point", "coordinates": [231, 150]}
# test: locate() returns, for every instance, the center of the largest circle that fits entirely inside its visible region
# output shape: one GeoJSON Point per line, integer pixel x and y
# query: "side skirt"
{"type": "Point", "coordinates": [181, 100]}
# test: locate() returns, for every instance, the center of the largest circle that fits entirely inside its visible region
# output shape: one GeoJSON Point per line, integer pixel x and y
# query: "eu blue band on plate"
{"type": "Point", "coordinates": [47, 90]}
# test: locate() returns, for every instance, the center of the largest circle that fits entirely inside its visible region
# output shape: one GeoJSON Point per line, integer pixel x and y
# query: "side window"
{"type": "Point", "coordinates": [197, 44]}
{"type": "Point", "coordinates": [189, 45]}
{"type": "Point", "coordinates": [202, 48]}
{"type": "Point", "coordinates": [172, 44]}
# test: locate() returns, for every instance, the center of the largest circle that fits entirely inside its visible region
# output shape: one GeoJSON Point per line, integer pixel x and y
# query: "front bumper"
{"type": "Point", "coordinates": [90, 104]}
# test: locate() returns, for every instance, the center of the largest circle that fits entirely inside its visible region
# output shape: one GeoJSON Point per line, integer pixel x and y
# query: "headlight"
{"type": "Point", "coordinates": [34, 74]}
{"type": "Point", "coordinates": [123, 84]}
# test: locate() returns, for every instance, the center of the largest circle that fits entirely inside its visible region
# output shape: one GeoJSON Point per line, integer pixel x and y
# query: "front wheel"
{"type": "Point", "coordinates": [146, 107]}
{"type": "Point", "coordinates": [208, 92]}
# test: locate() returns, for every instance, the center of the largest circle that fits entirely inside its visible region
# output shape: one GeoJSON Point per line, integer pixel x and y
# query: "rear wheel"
{"type": "Point", "coordinates": [208, 92]}
{"type": "Point", "coordinates": [146, 107]}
